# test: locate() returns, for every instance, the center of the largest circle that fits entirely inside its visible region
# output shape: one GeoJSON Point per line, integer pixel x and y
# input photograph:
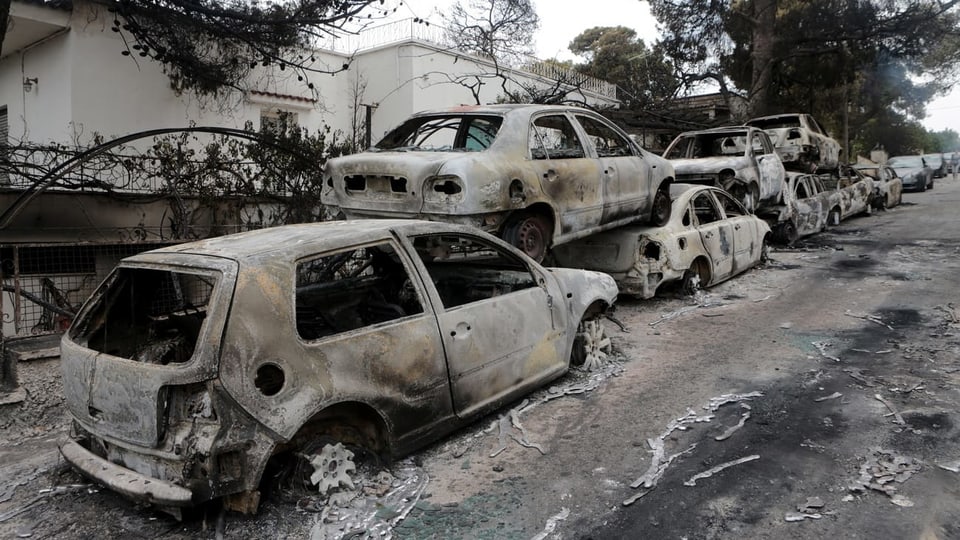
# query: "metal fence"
{"type": "Point", "coordinates": [44, 284]}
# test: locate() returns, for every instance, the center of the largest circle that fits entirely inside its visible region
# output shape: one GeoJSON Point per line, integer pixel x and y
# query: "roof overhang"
{"type": "Point", "coordinates": [31, 23]}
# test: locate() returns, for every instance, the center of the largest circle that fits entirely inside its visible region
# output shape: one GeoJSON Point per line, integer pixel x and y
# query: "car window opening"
{"type": "Point", "coordinates": [353, 289]}
{"type": "Point", "coordinates": [466, 270]}
{"type": "Point", "coordinates": [146, 315]}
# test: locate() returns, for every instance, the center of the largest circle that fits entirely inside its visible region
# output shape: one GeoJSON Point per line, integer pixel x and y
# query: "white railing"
{"type": "Point", "coordinates": [406, 29]}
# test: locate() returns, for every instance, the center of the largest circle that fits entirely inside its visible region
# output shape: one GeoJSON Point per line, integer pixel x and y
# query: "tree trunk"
{"type": "Point", "coordinates": [764, 40]}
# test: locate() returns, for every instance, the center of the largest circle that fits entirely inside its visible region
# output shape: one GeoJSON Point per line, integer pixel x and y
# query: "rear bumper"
{"type": "Point", "coordinates": [123, 480]}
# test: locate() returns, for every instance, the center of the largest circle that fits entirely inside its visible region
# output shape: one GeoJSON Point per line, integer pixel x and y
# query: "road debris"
{"type": "Point", "coordinates": [822, 347]}
{"type": "Point", "coordinates": [40, 499]}
{"type": "Point", "coordinates": [798, 516]}
{"type": "Point", "coordinates": [834, 395]}
{"type": "Point", "coordinates": [882, 471]}
{"type": "Point", "coordinates": [659, 461]}
{"type": "Point", "coordinates": [893, 410]}
{"type": "Point", "coordinates": [733, 429]}
{"type": "Point", "coordinates": [872, 318]}
{"type": "Point", "coordinates": [674, 314]}
{"type": "Point", "coordinates": [858, 376]}
{"type": "Point", "coordinates": [953, 466]}
{"type": "Point", "coordinates": [952, 317]}
{"type": "Point", "coordinates": [552, 524]}
{"type": "Point", "coordinates": [373, 516]}
{"type": "Point", "coordinates": [710, 472]}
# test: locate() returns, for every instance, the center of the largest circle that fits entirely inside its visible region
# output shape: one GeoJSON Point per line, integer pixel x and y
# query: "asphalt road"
{"type": "Point", "coordinates": [860, 311]}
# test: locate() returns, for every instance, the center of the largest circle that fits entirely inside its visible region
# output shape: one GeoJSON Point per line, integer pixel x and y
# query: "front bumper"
{"type": "Point", "coordinates": [125, 481]}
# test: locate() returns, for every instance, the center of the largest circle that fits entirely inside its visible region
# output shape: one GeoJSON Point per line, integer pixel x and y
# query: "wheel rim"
{"type": "Point", "coordinates": [695, 278]}
{"type": "Point", "coordinates": [531, 239]}
{"type": "Point", "coordinates": [661, 207]}
{"type": "Point", "coordinates": [591, 345]}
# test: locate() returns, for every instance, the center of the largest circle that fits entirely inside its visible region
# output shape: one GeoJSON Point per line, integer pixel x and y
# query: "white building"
{"type": "Point", "coordinates": [63, 80]}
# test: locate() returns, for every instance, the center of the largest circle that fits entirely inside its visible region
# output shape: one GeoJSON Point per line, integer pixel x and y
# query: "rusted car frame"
{"type": "Point", "coordinates": [741, 160]}
{"type": "Point", "coordinates": [855, 194]}
{"type": "Point", "coordinates": [710, 238]}
{"type": "Point", "coordinates": [535, 175]}
{"type": "Point", "coordinates": [192, 366]}
{"type": "Point", "coordinates": [803, 145]}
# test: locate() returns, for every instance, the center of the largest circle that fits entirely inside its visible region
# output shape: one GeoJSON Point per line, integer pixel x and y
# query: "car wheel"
{"type": "Point", "coordinates": [590, 346]}
{"type": "Point", "coordinates": [765, 250]}
{"type": "Point", "coordinates": [531, 234]}
{"type": "Point", "coordinates": [662, 207]}
{"type": "Point", "coordinates": [787, 233]}
{"type": "Point", "coordinates": [923, 184]}
{"type": "Point", "coordinates": [696, 277]}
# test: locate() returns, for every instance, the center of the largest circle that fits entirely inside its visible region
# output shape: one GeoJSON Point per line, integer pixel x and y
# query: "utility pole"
{"type": "Point", "coordinates": [368, 123]}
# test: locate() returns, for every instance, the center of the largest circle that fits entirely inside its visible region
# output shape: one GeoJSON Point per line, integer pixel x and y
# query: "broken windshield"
{"type": "Point", "coordinates": [442, 134]}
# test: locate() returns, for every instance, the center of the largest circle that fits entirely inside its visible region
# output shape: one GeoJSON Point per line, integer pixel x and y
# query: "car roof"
{"type": "Point", "coordinates": [772, 116]}
{"type": "Point", "coordinates": [724, 129]}
{"type": "Point", "coordinates": [292, 242]}
{"type": "Point", "coordinates": [500, 109]}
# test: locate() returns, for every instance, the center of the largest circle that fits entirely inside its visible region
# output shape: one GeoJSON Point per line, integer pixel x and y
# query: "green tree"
{"type": "Point", "coordinates": [617, 55]}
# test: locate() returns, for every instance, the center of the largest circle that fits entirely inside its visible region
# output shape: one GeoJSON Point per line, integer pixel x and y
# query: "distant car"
{"type": "Point", "coordinates": [855, 194]}
{"type": "Point", "coordinates": [803, 145]}
{"type": "Point", "coordinates": [888, 184]}
{"type": "Point", "coordinates": [191, 367]}
{"type": "Point", "coordinates": [806, 208]}
{"type": "Point", "coordinates": [913, 171]}
{"type": "Point", "coordinates": [710, 238]}
{"type": "Point", "coordinates": [535, 175]}
{"type": "Point", "coordinates": [937, 164]}
{"type": "Point", "coordinates": [741, 160]}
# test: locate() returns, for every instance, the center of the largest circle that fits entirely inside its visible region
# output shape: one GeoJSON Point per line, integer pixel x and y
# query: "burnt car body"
{"type": "Point", "coordinates": [888, 185]}
{"type": "Point", "coordinates": [710, 238]}
{"type": "Point", "coordinates": [191, 366]}
{"type": "Point", "coordinates": [913, 171]}
{"type": "Point", "coordinates": [855, 194]}
{"type": "Point", "coordinates": [807, 204]}
{"type": "Point", "coordinates": [741, 160]}
{"type": "Point", "coordinates": [803, 145]}
{"type": "Point", "coordinates": [535, 175]}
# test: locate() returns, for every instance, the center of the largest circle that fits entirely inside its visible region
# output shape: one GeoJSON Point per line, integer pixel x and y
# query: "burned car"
{"type": "Point", "coordinates": [710, 238]}
{"type": "Point", "coordinates": [535, 175]}
{"type": "Point", "coordinates": [741, 160]}
{"type": "Point", "coordinates": [914, 172]}
{"type": "Point", "coordinates": [855, 194]}
{"type": "Point", "coordinates": [192, 367]}
{"type": "Point", "coordinates": [889, 188]}
{"type": "Point", "coordinates": [803, 145]}
{"type": "Point", "coordinates": [806, 209]}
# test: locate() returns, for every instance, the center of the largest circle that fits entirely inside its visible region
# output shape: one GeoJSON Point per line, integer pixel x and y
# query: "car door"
{"type": "Point", "coordinates": [501, 321]}
{"type": "Point", "coordinates": [717, 235]}
{"type": "Point", "coordinates": [809, 210]}
{"type": "Point", "coordinates": [746, 241]}
{"type": "Point", "coordinates": [625, 174]}
{"type": "Point", "coordinates": [769, 167]}
{"type": "Point", "coordinates": [568, 176]}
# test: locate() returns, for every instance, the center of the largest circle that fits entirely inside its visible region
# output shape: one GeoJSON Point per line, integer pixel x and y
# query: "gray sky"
{"type": "Point", "coordinates": [562, 20]}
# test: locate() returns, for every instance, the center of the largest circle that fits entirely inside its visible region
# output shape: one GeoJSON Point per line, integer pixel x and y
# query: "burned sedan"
{"type": "Point", "coordinates": [855, 194]}
{"type": "Point", "coordinates": [710, 238]}
{"type": "Point", "coordinates": [193, 366]}
{"type": "Point", "coordinates": [806, 209]}
{"type": "Point", "coordinates": [803, 145]}
{"type": "Point", "coordinates": [888, 185]}
{"type": "Point", "coordinates": [535, 175]}
{"type": "Point", "coordinates": [741, 160]}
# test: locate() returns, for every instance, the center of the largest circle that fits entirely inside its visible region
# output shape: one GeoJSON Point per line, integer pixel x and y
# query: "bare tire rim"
{"type": "Point", "coordinates": [531, 238]}
{"type": "Point", "coordinates": [593, 345]}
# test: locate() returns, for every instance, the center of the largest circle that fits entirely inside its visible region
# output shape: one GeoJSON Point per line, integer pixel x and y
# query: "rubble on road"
{"type": "Point", "coordinates": [882, 471]}
{"type": "Point", "coordinates": [710, 472]}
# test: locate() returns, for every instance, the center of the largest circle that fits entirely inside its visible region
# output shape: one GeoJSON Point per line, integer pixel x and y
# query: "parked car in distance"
{"type": "Point", "coordinates": [807, 203]}
{"type": "Point", "coordinates": [803, 145]}
{"type": "Point", "coordinates": [937, 163]}
{"type": "Point", "coordinates": [710, 238]}
{"type": "Point", "coordinates": [888, 184]}
{"type": "Point", "coordinates": [741, 160]}
{"type": "Point", "coordinates": [193, 366]}
{"type": "Point", "coordinates": [913, 171]}
{"type": "Point", "coordinates": [855, 194]}
{"type": "Point", "coordinates": [535, 175]}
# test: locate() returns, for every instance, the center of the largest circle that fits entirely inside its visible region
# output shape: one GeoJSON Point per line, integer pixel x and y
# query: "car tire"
{"type": "Point", "coordinates": [591, 344]}
{"type": "Point", "coordinates": [696, 277]}
{"type": "Point", "coordinates": [923, 185]}
{"type": "Point", "coordinates": [662, 207]}
{"type": "Point", "coordinates": [530, 233]}
{"type": "Point", "coordinates": [765, 250]}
